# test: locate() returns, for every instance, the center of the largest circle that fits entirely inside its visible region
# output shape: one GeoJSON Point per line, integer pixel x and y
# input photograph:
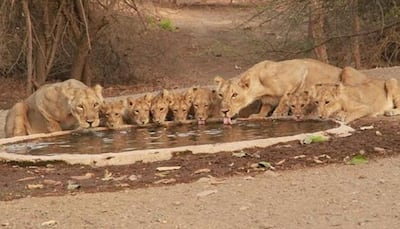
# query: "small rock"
{"type": "Point", "coordinates": [35, 186]}
{"type": "Point", "coordinates": [280, 162]}
{"type": "Point", "coordinates": [165, 181]}
{"type": "Point", "coordinates": [361, 152]}
{"type": "Point", "coordinates": [379, 150]}
{"type": "Point", "coordinates": [366, 127]}
{"type": "Point", "coordinates": [133, 178]}
{"type": "Point", "coordinates": [6, 224]}
{"type": "Point", "coordinates": [378, 133]}
{"type": "Point", "coordinates": [167, 168]}
{"type": "Point", "coordinates": [123, 185]}
{"type": "Point", "coordinates": [206, 193]}
{"type": "Point", "coordinates": [244, 208]}
{"type": "Point", "coordinates": [239, 154]}
{"type": "Point", "coordinates": [299, 156]}
{"type": "Point", "coordinates": [49, 223]}
{"type": "Point", "coordinates": [202, 171]}
{"type": "Point", "coordinates": [123, 177]}
{"type": "Point", "coordinates": [318, 161]}
{"type": "Point", "coordinates": [107, 176]}
{"type": "Point", "coordinates": [51, 182]}
{"type": "Point", "coordinates": [73, 186]}
{"type": "Point", "coordinates": [177, 203]}
{"type": "Point", "coordinates": [26, 179]}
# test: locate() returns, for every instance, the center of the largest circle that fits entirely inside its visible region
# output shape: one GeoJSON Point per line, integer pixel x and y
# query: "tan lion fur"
{"type": "Point", "coordinates": [348, 103]}
{"type": "Point", "coordinates": [205, 102]}
{"type": "Point", "coordinates": [180, 106]}
{"type": "Point", "coordinates": [160, 107]}
{"type": "Point", "coordinates": [139, 109]}
{"type": "Point", "coordinates": [269, 81]}
{"type": "Point", "coordinates": [112, 113]}
{"type": "Point", "coordinates": [298, 104]}
{"type": "Point", "coordinates": [62, 106]}
{"type": "Point", "coordinates": [17, 123]}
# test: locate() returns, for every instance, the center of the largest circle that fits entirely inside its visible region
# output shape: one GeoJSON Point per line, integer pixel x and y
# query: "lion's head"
{"type": "Point", "coordinates": [180, 106]}
{"type": "Point", "coordinates": [203, 100]}
{"type": "Point", "coordinates": [234, 96]}
{"type": "Point", "coordinates": [113, 112]}
{"type": "Point", "coordinates": [160, 106]}
{"type": "Point", "coordinates": [139, 109]}
{"type": "Point", "coordinates": [85, 104]}
{"type": "Point", "coordinates": [299, 103]}
{"type": "Point", "coordinates": [326, 99]}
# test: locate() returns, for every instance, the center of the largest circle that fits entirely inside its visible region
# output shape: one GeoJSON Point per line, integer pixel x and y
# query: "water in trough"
{"type": "Point", "coordinates": [153, 137]}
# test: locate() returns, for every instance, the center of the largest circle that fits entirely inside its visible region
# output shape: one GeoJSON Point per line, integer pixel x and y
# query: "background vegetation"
{"type": "Point", "coordinates": [98, 40]}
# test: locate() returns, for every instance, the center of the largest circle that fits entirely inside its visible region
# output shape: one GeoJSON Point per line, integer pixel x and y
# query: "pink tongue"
{"type": "Point", "coordinates": [201, 122]}
{"type": "Point", "coordinates": [227, 121]}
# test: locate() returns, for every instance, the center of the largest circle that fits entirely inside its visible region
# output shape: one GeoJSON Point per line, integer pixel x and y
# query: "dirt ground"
{"type": "Point", "coordinates": [283, 186]}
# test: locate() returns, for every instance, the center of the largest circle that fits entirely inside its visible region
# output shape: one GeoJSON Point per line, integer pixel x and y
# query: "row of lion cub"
{"type": "Point", "coordinates": [301, 88]}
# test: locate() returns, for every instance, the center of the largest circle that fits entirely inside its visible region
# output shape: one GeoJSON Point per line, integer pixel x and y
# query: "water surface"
{"type": "Point", "coordinates": [113, 141]}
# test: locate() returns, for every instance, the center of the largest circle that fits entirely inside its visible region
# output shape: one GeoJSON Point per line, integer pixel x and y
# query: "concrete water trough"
{"type": "Point", "coordinates": [127, 145]}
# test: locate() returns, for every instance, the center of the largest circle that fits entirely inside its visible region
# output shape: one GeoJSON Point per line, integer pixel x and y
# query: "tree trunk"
{"type": "Point", "coordinates": [29, 56]}
{"type": "Point", "coordinates": [317, 30]}
{"type": "Point", "coordinates": [356, 40]}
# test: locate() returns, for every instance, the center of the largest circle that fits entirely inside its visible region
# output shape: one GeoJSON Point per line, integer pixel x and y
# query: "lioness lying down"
{"type": "Point", "coordinates": [347, 103]}
{"type": "Point", "coordinates": [269, 81]}
{"type": "Point", "coordinates": [58, 106]}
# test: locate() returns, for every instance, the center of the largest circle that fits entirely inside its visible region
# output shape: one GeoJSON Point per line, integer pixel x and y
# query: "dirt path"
{"type": "Point", "coordinates": [337, 196]}
{"type": "Point", "coordinates": [334, 196]}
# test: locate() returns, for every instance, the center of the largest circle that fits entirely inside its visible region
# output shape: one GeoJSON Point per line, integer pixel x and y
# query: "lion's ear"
{"type": "Point", "coordinates": [148, 97]}
{"type": "Point", "coordinates": [190, 93]}
{"type": "Point", "coordinates": [164, 93]}
{"type": "Point", "coordinates": [123, 102]}
{"type": "Point", "coordinates": [130, 102]}
{"type": "Point", "coordinates": [244, 82]}
{"type": "Point", "coordinates": [219, 80]}
{"type": "Point", "coordinates": [98, 91]}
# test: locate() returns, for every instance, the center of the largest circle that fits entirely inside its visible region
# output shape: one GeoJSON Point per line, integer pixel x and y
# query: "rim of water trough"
{"type": "Point", "coordinates": [151, 155]}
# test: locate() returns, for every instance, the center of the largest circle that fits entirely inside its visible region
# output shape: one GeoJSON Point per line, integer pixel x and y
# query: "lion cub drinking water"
{"type": "Point", "coordinates": [205, 103]}
{"type": "Point", "coordinates": [139, 109]}
{"type": "Point", "coordinates": [348, 103]}
{"type": "Point", "coordinates": [160, 107]}
{"type": "Point", "coordinates": [180, 106]}
{"type": "Point", "coordinates": [113, 113]}
{"type": "Point", "coordinates": [299, 104]}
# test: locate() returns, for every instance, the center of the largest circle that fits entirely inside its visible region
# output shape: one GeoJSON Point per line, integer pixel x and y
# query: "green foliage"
{"type": "Point", "coordinates": [359, 159]}
{"type": "Point", "coordinates": [166, 24]}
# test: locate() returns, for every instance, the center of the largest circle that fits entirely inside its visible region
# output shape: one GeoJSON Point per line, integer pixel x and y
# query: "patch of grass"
{"type": "Point", "coordinates": [166, 24]}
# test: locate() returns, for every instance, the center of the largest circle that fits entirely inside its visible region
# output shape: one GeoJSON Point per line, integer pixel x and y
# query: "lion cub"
{"type": "Point", "coordinates": [160, 111]}
{"type": "Point", "coordinates": [298, 104]}
{"type": "Point", "coordinates": [17, 123]}
{"type": "Point", "coordinates": [139, 109]}
{"type": "Point", "coordinates": [205, 102]}
{"type": "Point", "coordinates": [348, 103]}
{"type": "Point", "coordinates": [180, 106]}
{"type": "Point", "coordinates": [112, 113]}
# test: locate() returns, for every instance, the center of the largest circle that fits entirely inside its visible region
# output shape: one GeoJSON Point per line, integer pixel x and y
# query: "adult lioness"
{"type": "Point", "coordinates": [348, 103]}
{"type": "Point", "coordinates": [205, 103]}
{"type": "Point", "coordinates": [63, 106]}
{"type": "Point", "coordinates": [269, 81]}
{"type": "Point", "coordinates": [17, 123]}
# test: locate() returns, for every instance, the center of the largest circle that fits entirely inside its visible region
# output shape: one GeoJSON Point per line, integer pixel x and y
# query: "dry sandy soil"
{"type": "Point", "coordinates": [311, 186]}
